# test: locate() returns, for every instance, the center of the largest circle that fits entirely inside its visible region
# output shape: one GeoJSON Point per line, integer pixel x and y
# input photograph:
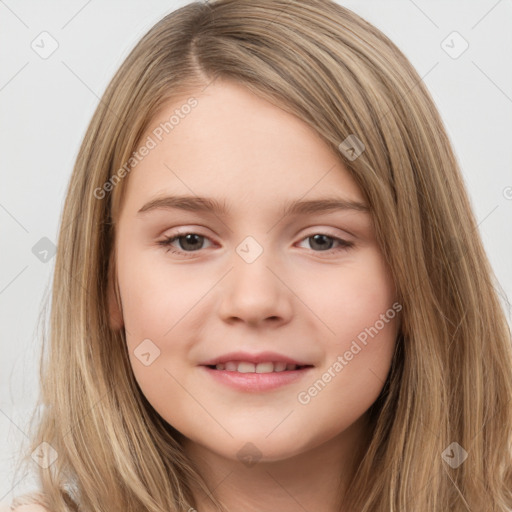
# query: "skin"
{"type": "Point", "coordinates": [298, 298]}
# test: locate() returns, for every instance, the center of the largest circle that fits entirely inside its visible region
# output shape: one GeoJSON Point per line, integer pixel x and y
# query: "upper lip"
{"type": "Point", "coordinates": [261, 357]}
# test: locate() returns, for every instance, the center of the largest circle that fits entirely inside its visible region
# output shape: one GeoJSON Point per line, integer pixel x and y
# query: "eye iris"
{"type": "Point", "coordinates": [188, 239]}
{"type": "Point", "coordinates": [323, 240]}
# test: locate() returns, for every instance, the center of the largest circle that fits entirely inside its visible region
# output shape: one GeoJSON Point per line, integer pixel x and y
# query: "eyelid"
{"type": "Point", "coordinates": [325, 230]}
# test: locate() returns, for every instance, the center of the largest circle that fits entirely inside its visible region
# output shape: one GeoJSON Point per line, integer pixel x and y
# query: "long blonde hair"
{"type": "Point", "coordinates": [451, 376]}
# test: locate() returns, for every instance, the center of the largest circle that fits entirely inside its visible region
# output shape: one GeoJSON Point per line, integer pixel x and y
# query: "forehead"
{"type": "Point", "coordinates": [235, 145]}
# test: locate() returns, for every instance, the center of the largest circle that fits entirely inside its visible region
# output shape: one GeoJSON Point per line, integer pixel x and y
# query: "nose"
{"type": "Point", "coordinates": [255, 293]}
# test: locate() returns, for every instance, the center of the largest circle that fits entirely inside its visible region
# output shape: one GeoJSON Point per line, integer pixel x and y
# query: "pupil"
{"type": "Point", "coordinates": [188, 238]}
{"type": "Point", "coordinates": [325, 239]}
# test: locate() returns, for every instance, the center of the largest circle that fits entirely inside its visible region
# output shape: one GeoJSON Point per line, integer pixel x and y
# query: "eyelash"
{"type": "Point", "coordinates": [166, 243]}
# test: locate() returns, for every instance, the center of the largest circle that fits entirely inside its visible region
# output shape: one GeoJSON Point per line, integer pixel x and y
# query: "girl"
{"type": "Point", "coordinates": [270, 292]}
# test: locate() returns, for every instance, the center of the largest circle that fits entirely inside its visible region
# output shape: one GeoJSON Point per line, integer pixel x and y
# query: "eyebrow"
{"type": "Point", "coordinates": [210, 205]}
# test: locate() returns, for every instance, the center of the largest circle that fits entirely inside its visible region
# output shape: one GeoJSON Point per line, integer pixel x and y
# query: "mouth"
{"type": "Point", "coordinates": [256, 378]}
{"type": "Point", "coordinates": [264, 367]}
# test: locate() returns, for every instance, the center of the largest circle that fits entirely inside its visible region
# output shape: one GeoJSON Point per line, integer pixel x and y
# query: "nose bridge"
{"type": "Point", "coordinates": [250, 249]}
{"type": "Point", "coordinates": [252, 276]}
{"type": "Point", "coordinates": [252, 291]}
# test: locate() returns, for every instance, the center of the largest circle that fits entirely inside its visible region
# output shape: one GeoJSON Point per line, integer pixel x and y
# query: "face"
{"type": "Point", "coordinates": [250, 284]}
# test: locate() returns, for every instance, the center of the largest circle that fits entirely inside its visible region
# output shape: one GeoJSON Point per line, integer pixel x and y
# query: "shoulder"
{"type": "Point", "coordinates": [29, 502]}
{"type": "Point", "coordinates": [30, 508]}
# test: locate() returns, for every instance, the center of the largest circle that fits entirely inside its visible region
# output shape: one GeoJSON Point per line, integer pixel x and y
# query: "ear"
{"type": "Point", "coordinates": [115, 311]}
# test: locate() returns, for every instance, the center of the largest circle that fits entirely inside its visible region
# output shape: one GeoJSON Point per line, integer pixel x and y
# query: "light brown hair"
{"type": "Point", "coordinates": [451, 376]}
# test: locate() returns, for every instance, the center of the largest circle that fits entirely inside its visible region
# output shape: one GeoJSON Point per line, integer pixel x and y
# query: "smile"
{"type": "Point", "coordinates": [246, 367]}
{"type": "Point", "coordinates": [250, 377]}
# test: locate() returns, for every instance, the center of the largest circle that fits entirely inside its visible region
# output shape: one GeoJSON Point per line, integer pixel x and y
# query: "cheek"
{"type": "Point", "coordinates": [156, 296]}
{"type": "Point", "coordinates": [358, 306]}
{"type": "Point", "coordinates": [351, 298]}
{"type": "Point", "coordinates": [158, 302]}
{"type": "Point", "coordinates": [155, 305]}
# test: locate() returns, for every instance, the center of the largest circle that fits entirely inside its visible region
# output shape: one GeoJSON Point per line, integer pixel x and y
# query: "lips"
{"type": "Point", "coordinates": [256, 372]}
{"type": "Point", "coordinates": [253, 382]}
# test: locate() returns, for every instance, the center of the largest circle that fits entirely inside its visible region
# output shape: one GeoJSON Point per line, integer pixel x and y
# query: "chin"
{"type": "Point", "coordinates": [259, 448]}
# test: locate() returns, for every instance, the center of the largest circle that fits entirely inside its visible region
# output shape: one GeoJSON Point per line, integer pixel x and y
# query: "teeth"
{"type": "Point", "coordinates": [245, 367]}
{"type": "Point", "coordinates": [279, 367]}
{"type": "Point", "coordinates": [264, 368]}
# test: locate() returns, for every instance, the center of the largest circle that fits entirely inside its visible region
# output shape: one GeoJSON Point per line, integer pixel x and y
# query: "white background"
{"type": "Point", "coordinates": [46, 104]}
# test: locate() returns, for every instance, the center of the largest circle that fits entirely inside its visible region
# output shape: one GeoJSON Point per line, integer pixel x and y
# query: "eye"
{"type": "Point", "coordinates": [325, 242]}
{"type": "Point", "coordinates": [190, 242]}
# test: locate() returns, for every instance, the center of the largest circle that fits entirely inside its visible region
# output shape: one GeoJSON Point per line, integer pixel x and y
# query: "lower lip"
{"type": "Point", "coordinates": [256, 381]}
